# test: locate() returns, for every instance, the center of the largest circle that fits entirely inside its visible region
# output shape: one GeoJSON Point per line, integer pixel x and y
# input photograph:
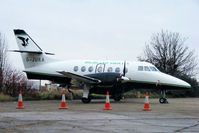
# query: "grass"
{"type": "Point", "coordinates": [5, 98]}
{"type": "Point", "coordinates": [138, 94]}
{"type": "Point", "coordinates": [54, 95]}
{"type": "Point", "coordinates": [77, 94]}
{"type": "Point", "coordinates": [98, 96]}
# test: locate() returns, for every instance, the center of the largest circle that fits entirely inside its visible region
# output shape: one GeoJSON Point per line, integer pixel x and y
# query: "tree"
{"type": "Point", "coordinates": [11, 80]}
{"type": "Point", "coordinates": [3, 60]}
{"type": "Point", "coordinates": [167, 51]}
{"type": "Point", "coordinates": [14, 81]}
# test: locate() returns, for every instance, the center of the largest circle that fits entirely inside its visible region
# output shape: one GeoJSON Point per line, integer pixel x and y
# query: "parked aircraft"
{"type": "Point", "coordinates": [94, 76]}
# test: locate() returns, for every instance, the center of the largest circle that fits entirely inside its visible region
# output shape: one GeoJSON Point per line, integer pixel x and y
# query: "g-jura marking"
{"type": "Point", "coordinates": [34, 59]}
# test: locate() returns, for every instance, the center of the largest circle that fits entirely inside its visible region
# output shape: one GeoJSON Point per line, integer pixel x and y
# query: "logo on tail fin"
{"type": "Point", "coordinates": [24, 40]}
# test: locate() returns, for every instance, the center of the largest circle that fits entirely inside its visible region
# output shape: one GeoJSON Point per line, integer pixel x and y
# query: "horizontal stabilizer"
{"type": "Point", "coordinates": [31, 52]}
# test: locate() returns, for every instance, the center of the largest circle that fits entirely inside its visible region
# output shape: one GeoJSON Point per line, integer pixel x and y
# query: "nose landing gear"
{"type": "Point", "coordinates": [163, 99]}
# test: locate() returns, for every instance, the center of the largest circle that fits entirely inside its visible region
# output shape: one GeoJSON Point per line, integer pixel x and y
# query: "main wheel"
{"type": "Point", "coordinates": [86, 100]}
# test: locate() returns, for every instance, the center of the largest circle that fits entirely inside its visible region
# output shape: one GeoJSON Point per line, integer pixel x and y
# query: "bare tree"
{"type": "Point", "coordinates": [167, 51]}
{"type": "Point", "coordinates": [11, 80]}
{"type": "Point", "coordinates": [3, 59]}
{"type": "Point", "coordinates": [14, 81]}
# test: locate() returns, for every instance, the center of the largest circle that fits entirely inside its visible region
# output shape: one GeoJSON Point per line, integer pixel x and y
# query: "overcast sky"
{"type": "Point", "coordinates": [97, 29]}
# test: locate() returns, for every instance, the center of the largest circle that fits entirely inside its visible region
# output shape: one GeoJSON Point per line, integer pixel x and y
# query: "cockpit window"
{"type": "Point", "coordinates": [146, 68]}
{"type": "Point", "coordinates": [153, 68]}
{"type": "Point", "coordinates": [140, 68]}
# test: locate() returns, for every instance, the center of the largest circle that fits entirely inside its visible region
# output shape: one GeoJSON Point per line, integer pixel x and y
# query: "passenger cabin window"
{"type": "Point", "coordinates": [140, 68]}
{"type": "Point", "coordinates": [99, 69]}
{"type": "Point", "coordinates": [110, 69]}
{"type": "Point", "coordinates": [83, 69]}
{"type": "Point", "coordinates": [146, 68]}
{"type": "Point", "coordinates": [117, 69]}
{"type": "Point", "coordinates": [75, 68]}
{"type": "Point", "coordinates": [90, 69]}
{"type": "Point", "coordinates": [153, 68]}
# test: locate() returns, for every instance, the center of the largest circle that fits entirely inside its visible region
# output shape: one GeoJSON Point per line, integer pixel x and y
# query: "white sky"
{"type": "Point", "coordinates": [97, 29]}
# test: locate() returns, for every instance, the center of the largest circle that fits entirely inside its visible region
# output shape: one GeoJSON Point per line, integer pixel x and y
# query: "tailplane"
{"type": "Point", "coordinates": [32, 54]}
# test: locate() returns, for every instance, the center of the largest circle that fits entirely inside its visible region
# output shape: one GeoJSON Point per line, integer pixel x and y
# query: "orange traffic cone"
{"type": "Point", "coordinates": [20, 101]}
{"type": "Point", "coordinates": [63, 102]}
{"type": "Point", "coordinates": [146, 104]}
{"type": "Point", "coordinates": [107, 104]}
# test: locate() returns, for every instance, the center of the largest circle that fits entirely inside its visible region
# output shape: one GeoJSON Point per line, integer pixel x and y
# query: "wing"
{"type": "Point", "coordinates": [85, 79]}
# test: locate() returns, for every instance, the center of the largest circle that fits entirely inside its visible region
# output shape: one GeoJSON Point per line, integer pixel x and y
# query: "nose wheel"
{"type": "Point", "coordinates": [163, 99]}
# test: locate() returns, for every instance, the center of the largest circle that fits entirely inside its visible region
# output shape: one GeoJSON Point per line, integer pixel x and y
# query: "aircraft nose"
{"type": "Point", "coordinates": [184, 84]}
{"type": "Point", "coordinates": [177, 82]}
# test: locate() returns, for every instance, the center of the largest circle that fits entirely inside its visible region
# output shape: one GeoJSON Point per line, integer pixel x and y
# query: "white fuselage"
{"type": "Point", "coordinates": [85, 67]}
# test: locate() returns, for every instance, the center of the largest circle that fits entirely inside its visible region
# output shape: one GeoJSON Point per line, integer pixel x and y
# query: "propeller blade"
{"type": "Point", "coordinates": [124, 70]}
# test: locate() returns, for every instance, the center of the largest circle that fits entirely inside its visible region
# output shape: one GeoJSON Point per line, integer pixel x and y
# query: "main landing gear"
{"type": "Point", "coordinates": [117, 98]}
{"type": "Point", "coordinates": [86, 100]}
{"type": "Point", "coordinates": [86, 95]}
{"type": "Point", "coordinates": [163, 99]}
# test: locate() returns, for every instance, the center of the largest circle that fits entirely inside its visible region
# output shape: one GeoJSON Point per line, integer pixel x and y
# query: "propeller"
{"type": "Point", "coordinates": [122, 76]}
{"type": "Point", "coordinates": [120, 80]}
{"type": "Point", "coordinates": [124, 69]}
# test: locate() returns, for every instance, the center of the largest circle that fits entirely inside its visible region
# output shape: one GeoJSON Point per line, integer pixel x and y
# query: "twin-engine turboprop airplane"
{"type": "Point", "coordinates": [94, 76]}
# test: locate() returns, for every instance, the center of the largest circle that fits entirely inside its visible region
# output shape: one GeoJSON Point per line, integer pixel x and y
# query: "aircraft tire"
{"type": "Point", "coordinates": [86, 100]}
{"type": "Point", "coordinates": [162, 100]}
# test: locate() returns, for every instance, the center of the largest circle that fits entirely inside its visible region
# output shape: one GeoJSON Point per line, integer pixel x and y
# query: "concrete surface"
{"type": "Point", "coordinates": [181, 115]}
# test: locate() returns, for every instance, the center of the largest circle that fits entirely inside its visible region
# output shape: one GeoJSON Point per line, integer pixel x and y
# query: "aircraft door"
{"type": "Point", "coordinates": [100, 68]}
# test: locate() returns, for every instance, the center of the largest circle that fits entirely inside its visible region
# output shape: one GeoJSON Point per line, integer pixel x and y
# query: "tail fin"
{"type": "Point", "coordinates": [25, 42]}
{"type": "Point", "coordinates": [32, 54]}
